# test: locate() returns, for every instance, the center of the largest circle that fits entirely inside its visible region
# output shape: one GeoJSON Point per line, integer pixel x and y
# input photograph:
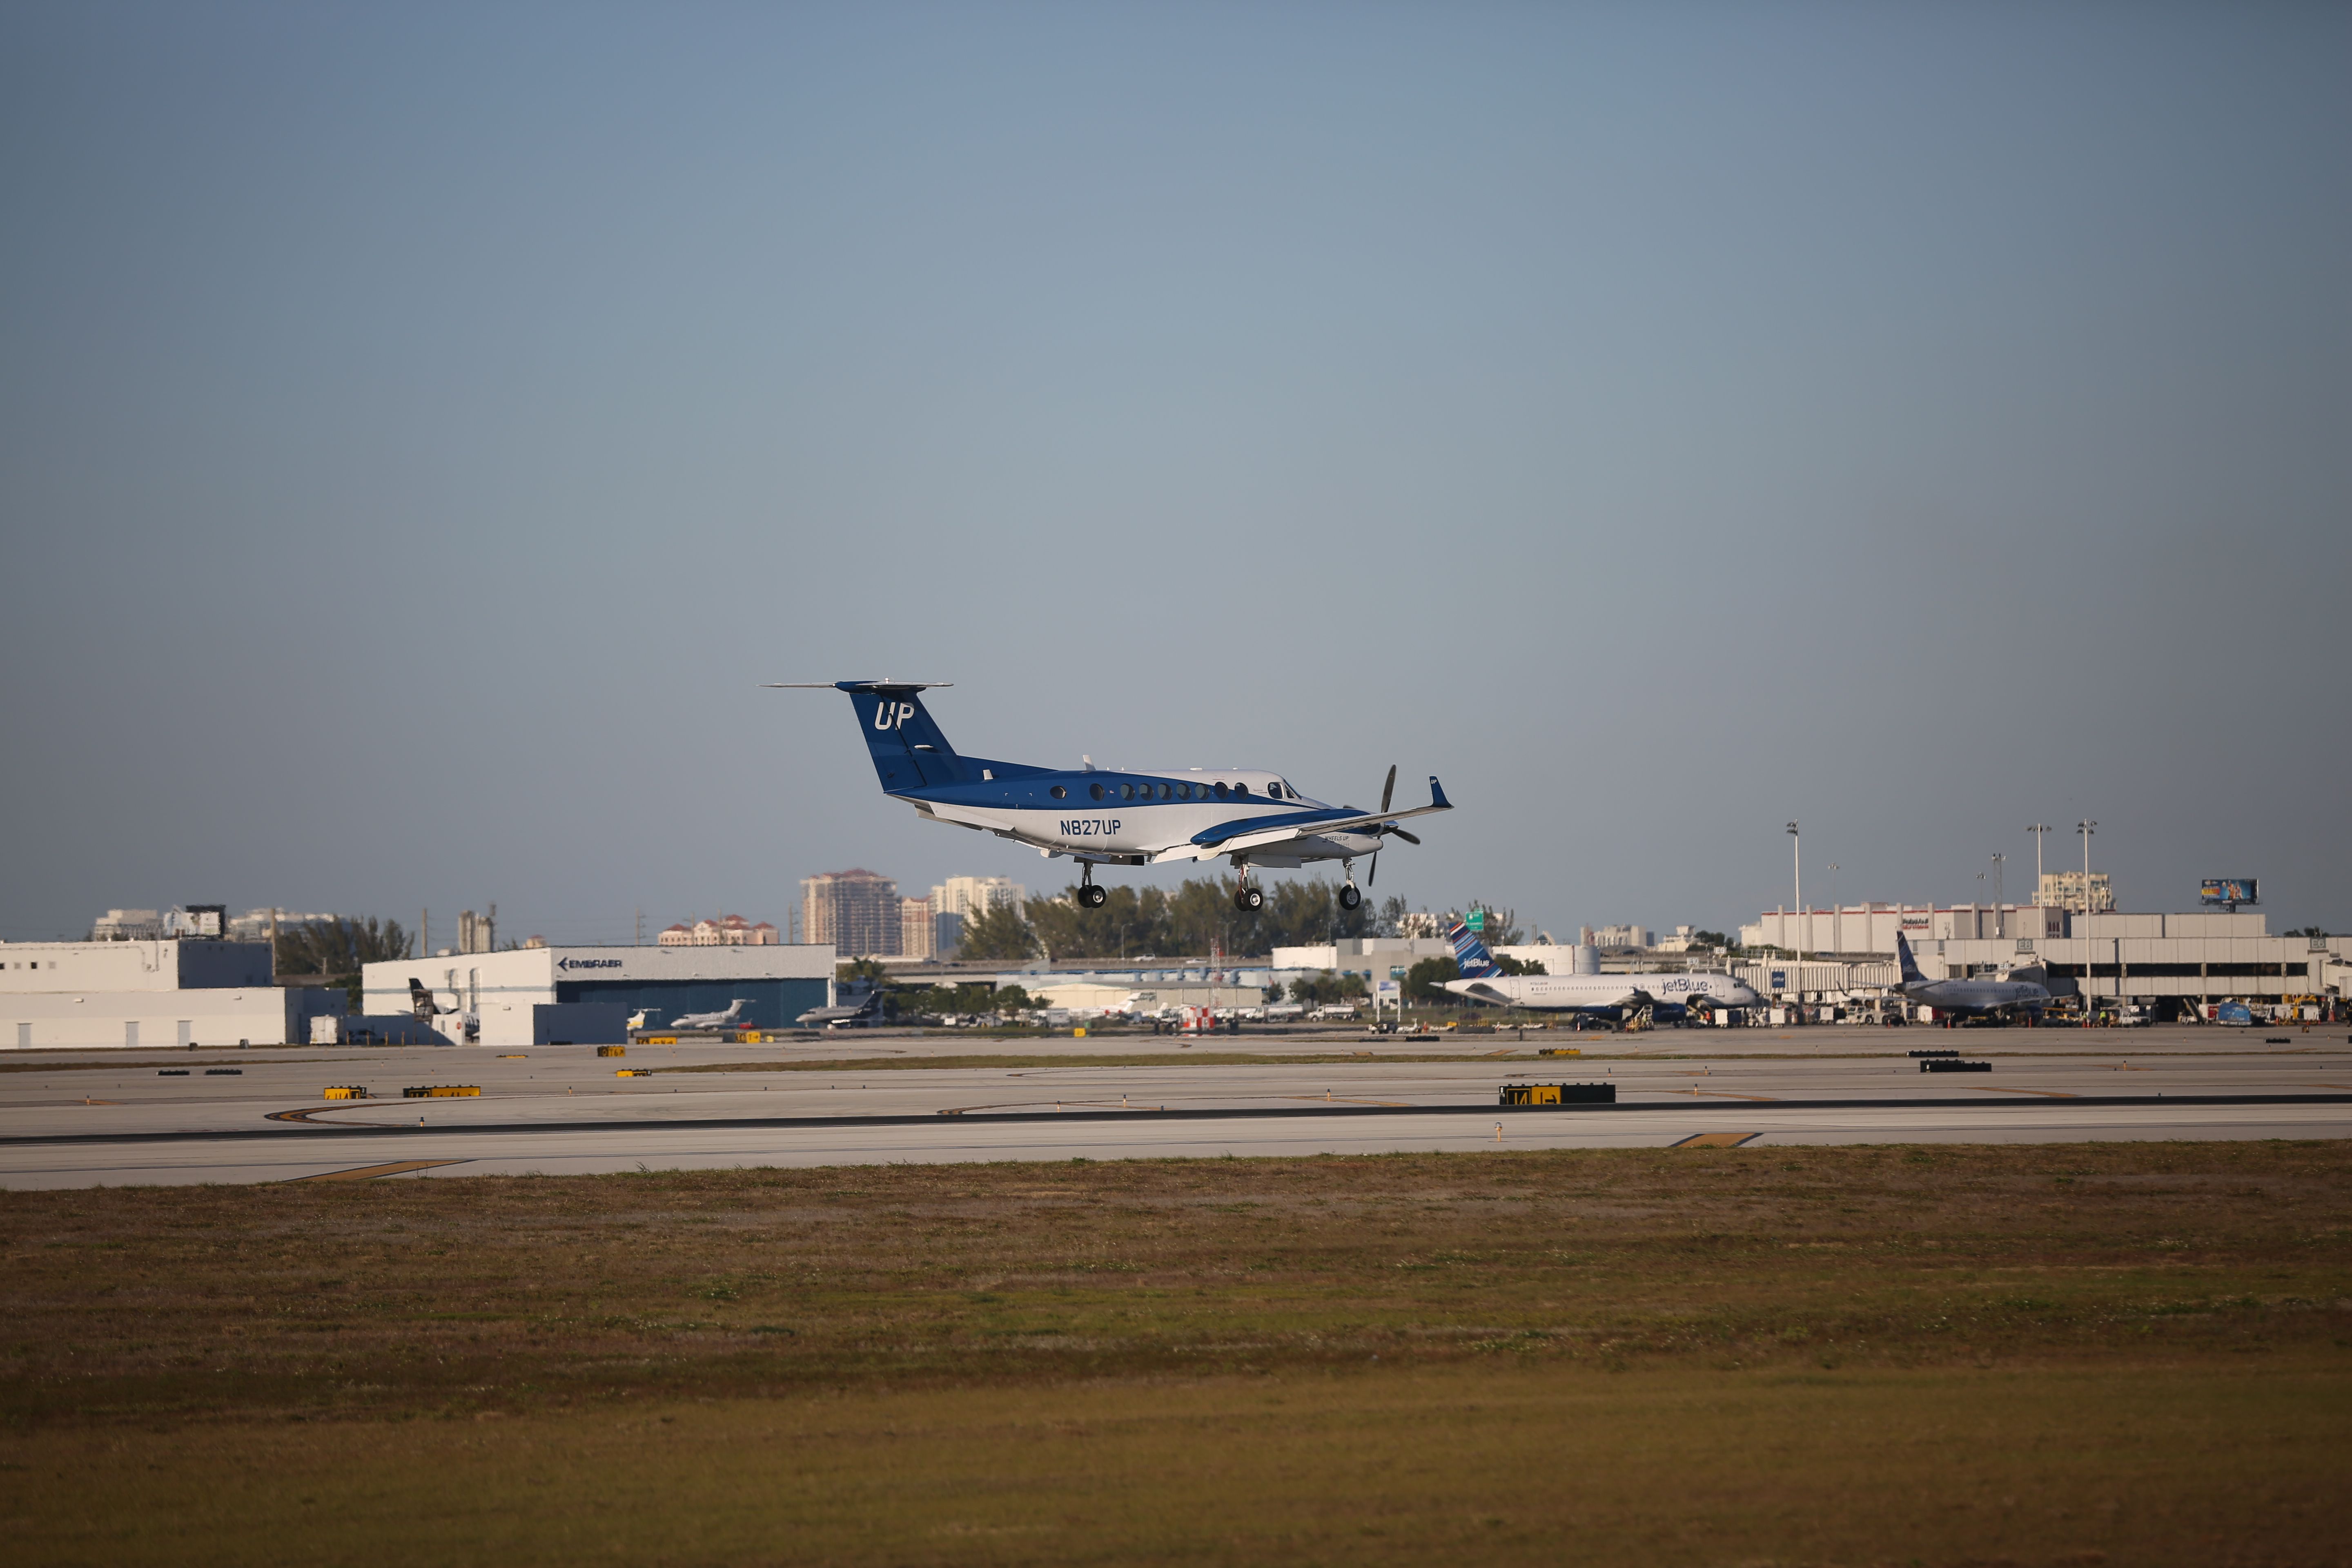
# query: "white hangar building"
{"type": "Point", "coordinates": [535, 995]}
{"type": "Point", "coordinates": [153, 993]}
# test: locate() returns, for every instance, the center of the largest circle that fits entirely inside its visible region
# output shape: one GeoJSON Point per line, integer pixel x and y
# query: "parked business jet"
{"type": "Point", "coordinates": [1110, 817]}
{"type": "Point", "coordinates": [1483, 979]}
{"type": "Point", "coordinates": [422, 1004]}
{"type": "Point", "coordinates": [1970, 996]}
{"type": "Point", "coordinates": [710, 1020]}
{"type": "Point", "coordinates": [862, 1014]}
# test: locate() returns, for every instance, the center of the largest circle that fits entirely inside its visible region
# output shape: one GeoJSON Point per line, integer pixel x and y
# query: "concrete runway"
{"type": "Point", "coordinates": [79, 1119]}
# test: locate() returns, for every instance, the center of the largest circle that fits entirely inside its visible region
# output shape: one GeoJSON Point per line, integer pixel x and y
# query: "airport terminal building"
{"type": "Point", "coordinates": [541, 996]}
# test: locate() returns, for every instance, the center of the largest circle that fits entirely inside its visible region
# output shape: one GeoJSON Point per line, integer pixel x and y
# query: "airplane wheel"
{"type": "Point", "coordinates": [1250, 899]}
{"type": "Point", "coordinates": [1094, 896]}
{"type": "Point", "coordinates": [1350, 897]}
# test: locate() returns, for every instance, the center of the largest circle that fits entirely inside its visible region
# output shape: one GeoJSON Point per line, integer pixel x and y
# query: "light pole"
{"type": "Point", "coordinates": [2086, 827]}
{"type": "Point", "coordinates": [2038, 830]}
{"type": "Point", "coordinates": [1797, 857]}
{"type": "Point", "coordinates": [1837, 914]}
{"type": "Point", "coordinates": [1999, 919]}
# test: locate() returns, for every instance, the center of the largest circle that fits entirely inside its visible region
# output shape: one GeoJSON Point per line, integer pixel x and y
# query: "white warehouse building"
{"type": "Point", "coordinates": [153, 993]}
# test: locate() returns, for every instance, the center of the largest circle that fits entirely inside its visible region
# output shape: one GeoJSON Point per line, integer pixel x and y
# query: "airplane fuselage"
{"type": "Point", "coordinates": [1978, 995]}
{"type": "Point", "coordinates": [1605, 993]}
{"type": "Point", "coordinates": [1131, 816]}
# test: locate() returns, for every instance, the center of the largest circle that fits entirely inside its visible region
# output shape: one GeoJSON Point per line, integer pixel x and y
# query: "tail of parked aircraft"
{"type": "Point", "coordinates": [1911, 975]}
{"type": "Point", "coordinates": [1471, 954]}
{"type": "Point", "coordinates": [908, 750]}
{"type": "Point", "coordinates": [421, 1002]}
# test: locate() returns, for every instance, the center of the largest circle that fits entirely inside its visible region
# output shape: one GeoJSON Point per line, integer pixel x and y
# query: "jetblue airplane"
{"type": "Point", "coordinates": [1966, 996]}
{"type": "Point", "coordinates": [1108, 817]}
{"type": "Point", "coordinates": [1483, 979]}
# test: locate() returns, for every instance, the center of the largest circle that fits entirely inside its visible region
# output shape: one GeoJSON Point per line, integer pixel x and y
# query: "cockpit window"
{"type": "Point", "coordinates": [1275, 790]}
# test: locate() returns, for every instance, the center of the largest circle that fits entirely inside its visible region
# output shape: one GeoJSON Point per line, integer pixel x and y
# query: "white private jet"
{"type": "Point", "coordinates": [1106, 816]}
{"type": "Point", "coordinates": [711, 1020]}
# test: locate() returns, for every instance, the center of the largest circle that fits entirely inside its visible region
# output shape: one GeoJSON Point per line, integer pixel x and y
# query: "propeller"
{"type": "Point", "coordinates": [1387, 791]}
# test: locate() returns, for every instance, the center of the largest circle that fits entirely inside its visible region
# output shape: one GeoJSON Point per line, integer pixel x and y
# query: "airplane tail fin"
{"type": "Point", "coordinates": [907, 748]}
{"type": "Point", "coordinates": [420, 1001]}
{"type": "Point", "coordinates": [1911, 975]}
{"type": "Point", "coordinates": [1471, 954]}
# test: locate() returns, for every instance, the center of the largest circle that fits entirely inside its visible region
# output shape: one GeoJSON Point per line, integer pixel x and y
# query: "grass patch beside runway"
{"type": "Point", "coordinates": [1653, 1355]}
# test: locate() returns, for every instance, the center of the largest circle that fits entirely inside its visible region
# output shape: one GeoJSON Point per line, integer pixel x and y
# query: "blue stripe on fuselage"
{"type": "Point", "coordinates": [1031, 789]}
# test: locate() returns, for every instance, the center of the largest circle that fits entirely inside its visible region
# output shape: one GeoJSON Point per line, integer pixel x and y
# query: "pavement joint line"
{"type": "Point", "coordinates": [2045, 1093]}
{"type": "Point", "coordinates": [309, 1129]}
{"type": "Point", "coordinates": [369, 1173]}
{"type": "Point", "coordinates": [1714, 1140]}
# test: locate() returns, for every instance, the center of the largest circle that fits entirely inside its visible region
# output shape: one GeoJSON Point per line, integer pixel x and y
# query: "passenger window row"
{"type": "Point", "coordinates": [1167, 791]}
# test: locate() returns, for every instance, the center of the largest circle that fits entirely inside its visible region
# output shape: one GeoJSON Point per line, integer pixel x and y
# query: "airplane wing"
{"type": "Point", "coordinates": [1260, 832]}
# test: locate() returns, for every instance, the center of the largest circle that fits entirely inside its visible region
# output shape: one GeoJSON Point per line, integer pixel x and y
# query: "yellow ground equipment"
{"type": "Point", "coordinates": [1561, 1051]}
{"type": "Point", "coordinates": [612, 1050]}
{"type": "Point", "coordinates": [1557, 1094]}
{"type": "Point", "coordinates": [346, 1091]}
{"type": "Point", "coordinates": [443, 1092]}
{"type": "Point", "coordinates": [633, 1072]}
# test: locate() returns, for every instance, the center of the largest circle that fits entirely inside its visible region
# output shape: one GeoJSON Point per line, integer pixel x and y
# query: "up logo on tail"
{"type": "Point", "coordinates": [892, 715]}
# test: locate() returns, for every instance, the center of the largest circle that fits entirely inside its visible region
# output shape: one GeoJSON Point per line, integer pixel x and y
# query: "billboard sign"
{"type": "Point", "coordinates": [2230, 890]}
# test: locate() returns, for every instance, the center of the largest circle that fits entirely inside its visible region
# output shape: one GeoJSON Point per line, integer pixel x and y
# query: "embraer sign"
{"type": "Point", "coordinates": [587, 964]}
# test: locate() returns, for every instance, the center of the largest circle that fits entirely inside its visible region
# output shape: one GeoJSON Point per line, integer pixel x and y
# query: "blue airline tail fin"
{"type": "Point", "coordinates": [1911, 975]}
{"type": "Point", "coordinates": [1471, 954]}
{"type": "Point", "coordinates": [908, 750]}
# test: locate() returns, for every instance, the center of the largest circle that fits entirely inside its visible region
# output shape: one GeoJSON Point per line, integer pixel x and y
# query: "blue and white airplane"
{"type": "Point", "coordinates": [1483, 979]}
{"type": "Point", "coordinates": [1111, 816]}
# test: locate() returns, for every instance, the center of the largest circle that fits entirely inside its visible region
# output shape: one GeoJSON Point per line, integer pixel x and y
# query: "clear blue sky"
{"type": "Point", "coordinates": [422, 427]}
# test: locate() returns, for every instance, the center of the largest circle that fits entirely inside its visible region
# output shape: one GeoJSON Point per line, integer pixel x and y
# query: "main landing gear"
{"type": "Point", "coordinates": [1248, 897]}
{"type": "Point", "coordinates": [1350, 898]}
{"type": "Point", "coordinates": [1089, 896]}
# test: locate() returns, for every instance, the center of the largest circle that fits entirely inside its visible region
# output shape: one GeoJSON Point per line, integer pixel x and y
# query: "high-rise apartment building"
{"type": "Point", "coordinates": [969, 897]}
{"type": "Point", "coordinates": [728, 930]}
{"type": "Point", "coordinates": [2063, 891]}
{"type": "Point", "coordinates": [915, 935]}
{"type": "Point", "coordinates": [857, 911]}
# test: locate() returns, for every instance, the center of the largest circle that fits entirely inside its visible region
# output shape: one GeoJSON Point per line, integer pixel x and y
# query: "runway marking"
{"type": "Point", "coordinates": [2044, 1093]}
{"type": "Point", "coordinates": [368, 1173]}
{"type": "Point", "coordinates": [1727, 1094]}
{"type": "Point", "coordinates": [1714, 1140]}
{"type": "Point", "coordinates": [1345, 1099]}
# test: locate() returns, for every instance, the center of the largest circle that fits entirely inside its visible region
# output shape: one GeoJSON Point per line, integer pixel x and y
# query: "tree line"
{"type": "Point", "coordinates": [1194, 920]}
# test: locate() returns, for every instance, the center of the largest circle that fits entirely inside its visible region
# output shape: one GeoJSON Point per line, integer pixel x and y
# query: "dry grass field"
{"type": "Point", "coordinates": [2107, 1352]}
